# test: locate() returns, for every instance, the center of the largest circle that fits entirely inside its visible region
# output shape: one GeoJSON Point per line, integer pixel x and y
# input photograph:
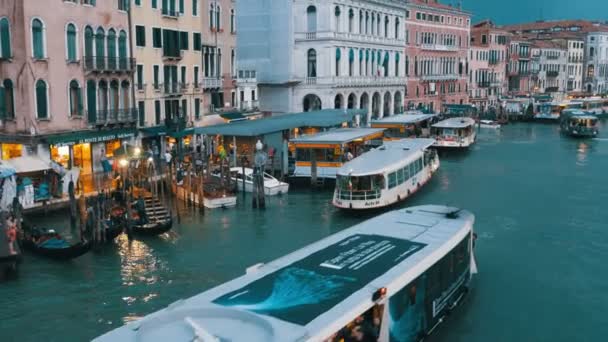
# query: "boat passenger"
{"type": "Point", "coordinates": [140, 207]}
{"type": "Point", "coordinates": [11, 234]}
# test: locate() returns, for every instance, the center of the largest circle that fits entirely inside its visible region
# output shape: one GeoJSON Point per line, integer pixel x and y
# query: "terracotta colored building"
{"type": "Point", "coordinates": [437, 46]}
{"type": "Point", "coordinates": [65, 75]}
{"type": "Point", "coordinates": [487, 65]}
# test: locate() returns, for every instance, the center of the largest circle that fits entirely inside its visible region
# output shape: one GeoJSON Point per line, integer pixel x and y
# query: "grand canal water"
{"type": "Point", "coordinates": [540, 201]}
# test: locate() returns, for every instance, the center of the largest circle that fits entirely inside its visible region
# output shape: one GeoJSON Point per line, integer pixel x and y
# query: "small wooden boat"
{"type": "Point", "coordinates": [48, 243]}
{"type": "Point", "coordinates": [113, 229]}
{"type": "Point", "coordinates": [153, 228]}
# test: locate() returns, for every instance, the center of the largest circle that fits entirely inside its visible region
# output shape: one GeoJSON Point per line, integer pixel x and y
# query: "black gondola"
{"type": "Point", "coordinates": [31, 241]}
{"type": "Point", "coordinates": [153, 228]}
{"type": "Point", "coordinates": [113, 229]}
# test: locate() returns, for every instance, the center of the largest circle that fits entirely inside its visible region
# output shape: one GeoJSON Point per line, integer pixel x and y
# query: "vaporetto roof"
{"type": "Point", "coordinates": [311, 293]}
{"type": "Point", "coordinates": [404, 119]}
{"type": "Point", "coordinates": [455, 123]}
{"type": "Point", "coordinates": [337, 136]}
{"type": "Point", "coordinates": [386, 158]}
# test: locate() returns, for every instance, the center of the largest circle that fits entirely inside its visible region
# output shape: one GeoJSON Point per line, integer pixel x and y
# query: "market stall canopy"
{"type": "Point", "coordinates": [92, 136]}
{"type": "Point", "coordinates": [251, 128]}
{"type": "Point", "coordinates": [28, 164]}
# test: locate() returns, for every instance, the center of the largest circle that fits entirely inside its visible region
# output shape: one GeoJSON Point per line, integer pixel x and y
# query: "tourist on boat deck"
{"type": "Point", "coordinates": [11, 234]}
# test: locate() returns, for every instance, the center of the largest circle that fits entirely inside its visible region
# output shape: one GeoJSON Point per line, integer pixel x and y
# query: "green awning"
{"type": "Point", "coordinates": [153, 131]}
{"type": "Point", "coordinates": [351, 55]}
{"type": "Point", "coordinates": [90, 136]}
{"type": "Point", "coordinates": [187, 131]}
{"type": "Point", "coordinates": [367, 55]}
{"type": "Point", "coordinates": [397, 57]}
{"type": "Point", "coordinates": [232, 116]}
{"type": "Point", "coordinates": [360, 55]}
{"type": "Point", "coordinates": [338, 53]}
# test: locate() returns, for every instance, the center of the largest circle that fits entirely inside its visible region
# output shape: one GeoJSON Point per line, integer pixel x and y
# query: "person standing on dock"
{"type": "Point", "coordinates": [11, 234]}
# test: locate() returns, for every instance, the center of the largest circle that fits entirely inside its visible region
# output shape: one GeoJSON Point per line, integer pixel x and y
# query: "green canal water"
{"type": "Point", "coordinates": [540, 204]}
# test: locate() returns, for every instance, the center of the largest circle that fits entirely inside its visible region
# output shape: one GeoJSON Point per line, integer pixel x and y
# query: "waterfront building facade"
{"type": "Point", "coordinates": [550, 59]}
{"type": "Point", "coordinates": [596, 63]}
{"type": "Point", "coordinates": [66, 80]}
{"type": "Point", "coordinates": [519, 67]}
{"type": "Point", "coordinates": [437, 40]}
{"type": "Point", "coordinates": [310, 55]}
{"type": "Point", "coordinates": [487, 65]}
{"type": "Point", "coordinates": [576, 65]}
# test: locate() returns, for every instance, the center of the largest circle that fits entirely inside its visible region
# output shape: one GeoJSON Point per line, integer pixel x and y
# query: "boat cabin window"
{"type": "Point", "coordinates": [360, 183]}
{"type": "Point", "coordinates": [236, 175]}
{"type": "Point", "coordinates": [321, 154]}
{"type": "Point", "coordinates": [583, 122]}
{"type": "Point", "coordinates": [402, 175]}
{"type": "Point", "coordinates": [365, 327]}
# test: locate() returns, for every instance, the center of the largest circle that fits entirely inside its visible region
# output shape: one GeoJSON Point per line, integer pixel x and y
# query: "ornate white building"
{"type": "Point", "coordinates": [313, 54]}
{"type": "Point", "coordinates": [596, 63]}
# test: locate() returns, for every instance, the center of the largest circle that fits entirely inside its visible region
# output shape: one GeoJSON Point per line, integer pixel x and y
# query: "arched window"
{"type": "Point", "coordinates": [126, 97]}
{"type": "Point", "coordinates": [351, 19]}
{"type": "Point", "coordinates": [338, 56]}
{"type": "Point", "coordinates": [91, 101]}
{"type": "Point", "coordinates": [361, 29]}
{"type": "Point", "coordinates": [75, 99]}
{"type": "Point", "coordinates": [312, 63]}
{"type": "Point", "coordinates": [351, 62]}
{"type": "Point", "coordinates": [311, 18]}
{"type": "Point", "coordinates": [88, 47]}
{"type": "Point", "coordinates": [71, 43]}
{"type": "Point", "coordinates": [373, 28]}
{"type": "Point", "coordinates": [385, 64]}
{"type": "Point", "coordinates": [311, 102]}
{"type": "Point", "coordinates": [42, 103]}
{"type": "Point", "coordinates": [218, 16]}
{"type": "Point", "coordinates": [100, 49]}
{"type": "Point", "coordinates": [114, 100]}
{"type": "Point", "coordinates": [219, 62]}
{"type": "Point", "coordinates": [38, 43]}
{"type": "Point", "coordinates": [366, 22]}
{"type": "Point", "coordinates": [111, 39]}
{"type": "Point", "coordinates": [397, 28]}
{"type": "Point", "coordinates": [397, 64]}
{"type": "Point", "coordinates": [378, 24]}
{"type": "Point", "coordinates": [337, 13]}
{"type": "Point", "coordinates": [407, 65]}
{"type": "Point", "coordinates": [7, 100]}
{"type": "Point", "coordinates": [211, 16]}
{"type": "Point", "coordinates": [5, 39]}
{"type": "Point", "coordinates": [232, 64]}
{"type": "Point", "coordinates": [232, 21]}
{"type": "Point", "coordinates": [122, 51]}
{"type": "Point", "coordinates": [386, 21]}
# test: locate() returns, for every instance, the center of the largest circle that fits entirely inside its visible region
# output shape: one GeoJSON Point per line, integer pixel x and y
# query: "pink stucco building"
{"type": "Point", "coordinates": [66, 76]}
{"type": "Point", "coordinates": [437, 44]}
{"type": "Point", "coordinates": [487, 65]}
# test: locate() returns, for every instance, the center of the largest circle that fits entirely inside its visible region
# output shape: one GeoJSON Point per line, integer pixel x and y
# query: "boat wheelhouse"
{"type": "Point", "coordinates": [401, 273]}
{"type": "Point", "coordinates": [321, 155]}
{"type": "Point", "coordinates": [454, 132]}
{"type": "Point", "coordinates": [551, 111]}
{"type": "Point", "coordinates": [409, 125]}
{"type": "Point", "coordinates": [577, 123]}
{"type": "Point", "coordinates": [595, 105]}
{"type": "Point", "coordinates": [385, 175]}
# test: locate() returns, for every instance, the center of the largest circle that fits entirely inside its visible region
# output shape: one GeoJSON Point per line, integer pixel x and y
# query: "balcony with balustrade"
{"type": "Point", "coordinates": [109, 64]}
{"type": "Point", "coordinates": [440, 77]}
{"type": "Point", "coordinates": [439, 47]}
{"type": "Point", "coordinates": [354, 81]}
{"type": "Point", "coordinates": [104, 117]}
{"type": "Point", "coordinates": [348, 37]}
{"type": "Point", "coordinates": [552, 73]}
{"type": "Point", "coordinates": [212, 83]}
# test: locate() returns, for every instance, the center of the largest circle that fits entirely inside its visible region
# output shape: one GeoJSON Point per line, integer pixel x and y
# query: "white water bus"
{"type": "Point", "coordinates": [454, 132]}
{"type": "Point", "coordinates": [391, 278]}
{"type": "Point", "coordinates": [385, 175]}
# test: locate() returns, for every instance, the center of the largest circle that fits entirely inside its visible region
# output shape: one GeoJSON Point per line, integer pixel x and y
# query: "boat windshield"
{"type": "Point", "coordinates": [360, 183]}
{"type": "Point", "coordinates": [587, 122]}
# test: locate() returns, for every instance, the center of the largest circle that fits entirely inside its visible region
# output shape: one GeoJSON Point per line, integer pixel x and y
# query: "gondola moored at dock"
{"type": "Point", "coordinates": [48, 243]}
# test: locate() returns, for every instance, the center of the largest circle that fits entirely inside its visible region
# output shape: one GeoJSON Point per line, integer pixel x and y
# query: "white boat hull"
{"type": "Point", "coordinates": [208, 202]}
{"type": "Point", "coordinates": [391, 196]}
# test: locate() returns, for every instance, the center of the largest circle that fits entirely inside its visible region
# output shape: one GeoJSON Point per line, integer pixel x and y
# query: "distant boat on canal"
{"type": "Point", "coordinates": [454, 133]}
{"type": "Point", "coordinates": [48, 243]}
{"type": "Point", "coordinates": [489, 124]}
{"type": "Point", "coordinates": [272, 186]}
{"type": "Point", "coordinates": [385, 175]}
{"type": "Point", "coordinates": [392, 278]}
{"type": "Point", "coordinates": [579, 124]}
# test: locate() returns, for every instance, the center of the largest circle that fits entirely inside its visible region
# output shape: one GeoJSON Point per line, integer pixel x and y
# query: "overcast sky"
{"type": "Point", "coordinates": [516, 11]}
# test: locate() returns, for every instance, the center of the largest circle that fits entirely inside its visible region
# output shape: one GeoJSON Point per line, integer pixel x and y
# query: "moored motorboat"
{"type": "Point", "coordinates": [47, 243]}
{"type": "Point", "coordinates": [272, 186]}
{"type": "Point", "coordinates": [399, 273]}
{"type": "Point", "coordinates": [489, 124]}
{"type": "Point", "coordinates": [152, 218]}
{"type": "Point", "coordinates": [385, 175]}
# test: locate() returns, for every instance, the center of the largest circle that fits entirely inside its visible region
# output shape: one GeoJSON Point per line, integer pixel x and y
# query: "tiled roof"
{"type": "Point", "coordinates": [548, 44]}
{"type": "Point", "coordinates": [436, 4]}
{"type": "Point", "coordinates": [583, 25]}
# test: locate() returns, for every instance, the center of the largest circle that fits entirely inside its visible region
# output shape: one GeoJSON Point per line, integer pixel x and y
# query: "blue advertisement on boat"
{"type": "Point", "coordinates": [303, 290]}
